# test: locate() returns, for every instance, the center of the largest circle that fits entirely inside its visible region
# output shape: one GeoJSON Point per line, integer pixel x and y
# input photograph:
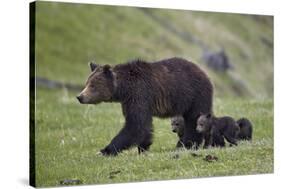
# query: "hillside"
{"type": "Point", "coordinates": [70, 35]}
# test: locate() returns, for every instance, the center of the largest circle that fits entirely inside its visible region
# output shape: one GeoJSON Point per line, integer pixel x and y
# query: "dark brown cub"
{"type": "Point", "coordinates": [246, 129]}
{"type": "Point", "coordinates": [215, 129]}
{"type": "Point", "coordinates": [177, 126]}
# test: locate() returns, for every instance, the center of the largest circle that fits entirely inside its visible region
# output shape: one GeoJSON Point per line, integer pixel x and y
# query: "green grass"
{"type": "Point", "coordinates": [69, 35]}
{"type": "Point", "coordinates": [68, 136]}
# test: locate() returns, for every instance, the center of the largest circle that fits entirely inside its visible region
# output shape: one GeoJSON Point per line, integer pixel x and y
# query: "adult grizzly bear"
{"type": "Point", "coordinates": [167, 88]}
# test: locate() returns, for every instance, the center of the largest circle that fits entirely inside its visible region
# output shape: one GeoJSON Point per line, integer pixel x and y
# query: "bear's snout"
{"type": "Point", "coordinates": [80, 98]}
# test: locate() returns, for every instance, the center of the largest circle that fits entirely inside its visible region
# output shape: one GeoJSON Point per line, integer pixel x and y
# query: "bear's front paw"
{"type": "Point", "coordinates": [107, 151]}
{"type": "Point", "coordinates": [179, 144]}
{"type": "Point", "coordinates": [191, 145]}
{"type": "Point", "coordinates": [206, 146]}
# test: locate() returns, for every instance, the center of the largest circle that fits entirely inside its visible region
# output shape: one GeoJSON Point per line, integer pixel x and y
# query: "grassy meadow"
{"type": "Point", "coordinates": [68, 134]}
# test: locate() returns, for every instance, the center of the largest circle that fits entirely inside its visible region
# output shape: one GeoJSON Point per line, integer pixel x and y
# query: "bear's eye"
{"type": "Point", "coordinates": [94, 82]}
{"type": "Point", "coordinates": [97, 78]}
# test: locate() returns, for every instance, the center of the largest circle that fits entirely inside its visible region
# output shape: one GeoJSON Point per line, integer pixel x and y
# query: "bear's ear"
{"type": "Point", "coordinates": [106, 69]}
{"type": "Point", "coordinates": [209, 115]}
{"type": "Point", "coordinates": [93, 66]}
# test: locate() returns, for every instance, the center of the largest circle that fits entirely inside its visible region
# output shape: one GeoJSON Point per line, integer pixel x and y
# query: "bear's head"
{"type": "Point", "coordinates": [177, 124]}
{"type": "Point", "coordinates": [204, 123]}
{"type": "Point", "coordinates": [99, 86]}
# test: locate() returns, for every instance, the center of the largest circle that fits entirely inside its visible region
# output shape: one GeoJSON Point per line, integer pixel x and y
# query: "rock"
{"type": "Point", "coordinates": [210, 158]}
{"type": "Point", "coordinates": [70, 182]}
{"type": "Point", "coordinates": [217, 61]}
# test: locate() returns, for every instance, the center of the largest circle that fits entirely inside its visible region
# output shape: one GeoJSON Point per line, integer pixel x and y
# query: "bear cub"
{"type": "Point", "coordinates": [246, 129]}
{"type": "Point", "coordinates": [245, 126]}
{"type": "Point", "coordinates": [215, 129]}
{"type": "Point", "coordinates": [177, 126]}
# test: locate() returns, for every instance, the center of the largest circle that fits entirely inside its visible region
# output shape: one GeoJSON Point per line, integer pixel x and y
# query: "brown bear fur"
{"type": "Point", "coordinates": [246, 129]}
{"type": "Point", "coordinates": [177, 126]}
{"type": "Point", "coordinates": [167, 88]}
{"type": "Point", "coordinates": [215, 129]}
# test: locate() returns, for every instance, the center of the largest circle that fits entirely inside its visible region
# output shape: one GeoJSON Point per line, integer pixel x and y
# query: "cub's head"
{"type": "Point", "coordinates": [177, 124]}
{"type": "Point", "coordinates": [100, 85]}
{"type": "Point", "coordinates": [204, 123]}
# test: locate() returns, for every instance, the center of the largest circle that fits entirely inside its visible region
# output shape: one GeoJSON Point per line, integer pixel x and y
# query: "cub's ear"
{"type": "Point", "coordinates": [106, 68]}
{"type": "Point", "coordinates": [209, 115]}
{"type": "Point", "coordinates": [93, 66]}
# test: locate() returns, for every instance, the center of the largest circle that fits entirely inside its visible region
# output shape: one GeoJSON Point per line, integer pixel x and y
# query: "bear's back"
{"type": "Point", "coordinates": [225, 122]}
{"type": "Point", "coordinates": [170, 85]}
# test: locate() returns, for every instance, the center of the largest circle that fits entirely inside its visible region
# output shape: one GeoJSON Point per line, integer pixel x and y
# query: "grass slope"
{"type": "Point", "coordinates": [69, 35]}
{"type": "Point", "coordinates": [68, 136]}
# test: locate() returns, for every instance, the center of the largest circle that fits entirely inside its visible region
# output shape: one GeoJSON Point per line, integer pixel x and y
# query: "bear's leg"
{"type": "Point", "coordinates": [201, 104]}
{"type": "Point", "coordinates": [218, 140]}
{"type": "Point", "coordinates": [135, 132]}
{"type": "Point", "coordinates": [230, 139]}
{"type": "Point", "coordinates": [179, 144]}
{"type": "Point", "coordinates": [144, 146]}
{"type": "Point", "coordinates": [191, 138]}
{"type": "Point", "coordinates": [146, 142]}
{"type": "Point", "coordinates": [208, 141]}
{"type": "Point", "coordinates": [120, 142]}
